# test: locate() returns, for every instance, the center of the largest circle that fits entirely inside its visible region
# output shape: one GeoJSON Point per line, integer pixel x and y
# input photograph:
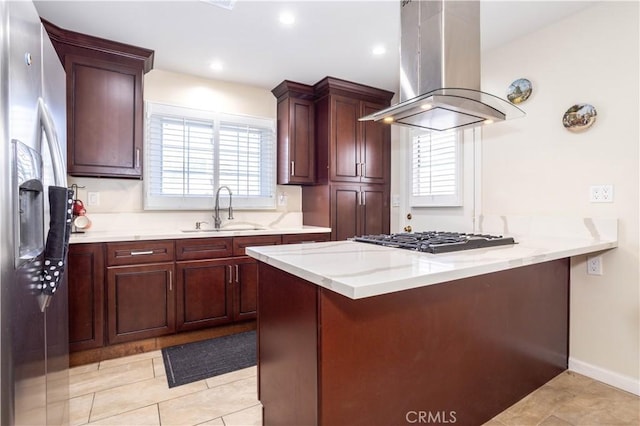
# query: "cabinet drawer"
{"type": "Point", "coordinates": [204, 248]}
{"type": "Point", "coordinates": [305, 238]}
{"type": "Point", "coordinates": [240, 243]}
{"type": "Point", "coordinates": [131, 253]}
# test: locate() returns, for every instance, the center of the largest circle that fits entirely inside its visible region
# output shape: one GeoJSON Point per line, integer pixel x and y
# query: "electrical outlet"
{"type": "Point", "coordinates": [594, 265]}
{"type": "Point", "coordinates": [93, 198]}
{"type": "Point", "coordinates": [601, 194]}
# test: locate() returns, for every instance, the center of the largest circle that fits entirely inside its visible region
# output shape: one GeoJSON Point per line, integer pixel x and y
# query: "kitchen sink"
{"type": "Point", "coordinates": [229, 229]}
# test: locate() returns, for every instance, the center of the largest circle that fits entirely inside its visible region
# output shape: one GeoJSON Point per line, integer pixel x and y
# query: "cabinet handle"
{"type": "Point", "coordinates": [170, 281]}
{"type": "Point", "coordinates": [364, 198]}
{"type": "Point", "coordinates": [359, 198]}
{"type": "Point", "coordinates": [137, 158]}
{"type": "Point", "coordinates": [237, 274]}
{"type": "Point", "coordinates": [363, 169]}
{"type": "Point", "coordinates": [141, 253]}
{"type": "Point", "coordinates": [357, 169]}
{"type": "Point", "coordinates": [230, 274]}
{"type": "Point", "coordinates": [293, 168]}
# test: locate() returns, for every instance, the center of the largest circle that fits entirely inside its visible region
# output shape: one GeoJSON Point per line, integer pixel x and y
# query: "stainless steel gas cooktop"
{"type": "Point", "coordinates": [436, 241]}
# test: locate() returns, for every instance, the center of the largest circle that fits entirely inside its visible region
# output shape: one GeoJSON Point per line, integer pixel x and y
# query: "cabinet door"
{"type": "Point", "coordinates": [296, 141]}
{"type": "Point", "coordinates": [345, 203]}
{"type": "Point", "coordinates": [302, 148]}
{"type": "Point", "coordinates": [344, 139]}
{"type": "Point", "coordinates": [85, 273]}
{"type": "Point", "coordinates": [246, 284]}
{"type": "Point", "coordinates": [140, 302]}
{"type": "Point", "coordinates": [375, 148]}
{"type": "Point", "coordinates": [374, 210]}
{"type": "Point", "coordinates": [359, 210]}
{"type": "Point", "coordinates": [204, 296]}
{"type": "Point", "coordinates": [104, 118]}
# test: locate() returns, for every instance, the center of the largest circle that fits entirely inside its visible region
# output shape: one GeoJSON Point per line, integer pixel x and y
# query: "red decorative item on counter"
{"type": "Point", "coordinates": [78, 208]}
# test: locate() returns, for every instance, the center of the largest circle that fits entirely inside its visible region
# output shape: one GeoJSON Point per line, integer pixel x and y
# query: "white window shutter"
{"type": "Point", "coordinates": [190, 153]}
{"type": "Point", "coordinates": [436, 179]}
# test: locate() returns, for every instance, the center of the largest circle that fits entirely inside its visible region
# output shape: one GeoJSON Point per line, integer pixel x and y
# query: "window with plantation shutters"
{"type": "Point", "coordinates": [190, 153]}
{"type": "Point", "coordinates": [436, 169]}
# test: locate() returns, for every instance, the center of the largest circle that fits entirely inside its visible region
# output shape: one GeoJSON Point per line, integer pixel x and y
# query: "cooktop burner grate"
{"type": "Point", "coordinates": [436, 241]}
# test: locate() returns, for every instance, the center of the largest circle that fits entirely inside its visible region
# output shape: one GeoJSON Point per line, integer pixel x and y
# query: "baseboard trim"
{"type": "Point", "coordinates": [619, 381]}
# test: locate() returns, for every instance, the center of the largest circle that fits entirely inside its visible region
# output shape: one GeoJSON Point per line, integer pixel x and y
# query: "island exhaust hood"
{"type": "Point", "coordinates": [440, 69]}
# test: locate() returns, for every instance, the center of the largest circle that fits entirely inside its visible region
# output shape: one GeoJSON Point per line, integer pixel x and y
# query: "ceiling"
{"type": "Point", "coordinates": [332, 38]}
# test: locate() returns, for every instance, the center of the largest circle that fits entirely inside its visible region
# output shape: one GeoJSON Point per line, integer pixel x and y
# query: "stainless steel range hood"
{"type": "Point", "coordinates": [440, 69]}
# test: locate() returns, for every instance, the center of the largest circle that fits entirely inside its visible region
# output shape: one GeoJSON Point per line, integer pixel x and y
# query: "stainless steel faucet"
{"type": "Point", "coordinates": [216, 211]}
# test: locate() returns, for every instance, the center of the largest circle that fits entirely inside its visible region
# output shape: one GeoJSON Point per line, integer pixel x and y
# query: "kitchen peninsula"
{"type": "Point", "coordinates": [353, 333]}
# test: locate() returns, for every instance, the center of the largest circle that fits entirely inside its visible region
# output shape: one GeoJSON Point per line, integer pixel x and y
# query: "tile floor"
{"type": "Point", "coordinates": [133, 391]}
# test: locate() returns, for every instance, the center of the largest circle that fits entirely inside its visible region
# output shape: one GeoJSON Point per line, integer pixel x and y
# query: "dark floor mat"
{"type": "Point", "coordinates": [200, 360]}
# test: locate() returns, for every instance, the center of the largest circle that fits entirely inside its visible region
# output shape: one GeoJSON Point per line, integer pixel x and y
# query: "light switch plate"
{"type": "Point", "coordinates": [93, 198]}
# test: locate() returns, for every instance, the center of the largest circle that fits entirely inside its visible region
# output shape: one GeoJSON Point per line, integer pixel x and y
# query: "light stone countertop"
{"type": "Point", "coordinates": [359, 270]}
{"type": "Point", "coordinates": [172, 234]}
{"type": "Point", "coordinates": [112, 227]}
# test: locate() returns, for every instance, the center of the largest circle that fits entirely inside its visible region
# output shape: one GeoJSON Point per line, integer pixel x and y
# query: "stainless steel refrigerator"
{"type": "Point", "coordinates": [34, 223]}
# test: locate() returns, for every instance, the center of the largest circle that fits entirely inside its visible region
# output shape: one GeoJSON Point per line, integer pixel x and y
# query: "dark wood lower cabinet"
{"type": "Point", "coordinates": [85, 272]}
{"type": "Point", "coordinates": [130, 291]}
{"type": "Point", "coordinates": [215, 292]}
{"type": "Point", "coordinates": [305, 238]}
{"type": "Point", "coordinates": [140, 302]}
{"type": "Point", "coordinates": [359, 210]}
{"type": "Point", "coordinates": [246, 283]}
{"type": "Point", "coordinates": [204, 297]}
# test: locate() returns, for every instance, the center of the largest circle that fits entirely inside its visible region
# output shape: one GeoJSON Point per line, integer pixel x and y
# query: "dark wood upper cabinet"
{"type": "Point", "coordinates": [344, 136]}
{"type": "Point", "coordinates": [104, 103]}
{"type": "Point", "coordinates": [375, 147]}
{"type": "Point", "coordinates": [349, 150]}
{"type": "Point", "coordinates": [296, 136]}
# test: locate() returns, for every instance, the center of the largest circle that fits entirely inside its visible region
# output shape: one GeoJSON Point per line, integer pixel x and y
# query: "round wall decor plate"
{"type": "Point", "coordinates": [519, 91]}
{"type": "Point", "coordinates": [579, 117]}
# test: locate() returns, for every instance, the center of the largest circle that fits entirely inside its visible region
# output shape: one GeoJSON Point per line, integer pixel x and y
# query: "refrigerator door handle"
{"type": "Point", "coordinates": [49, 128]}
{"type": "Point", "coordinates": [60, 200]}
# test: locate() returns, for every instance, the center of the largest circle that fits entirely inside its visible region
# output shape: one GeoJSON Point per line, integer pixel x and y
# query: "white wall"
{"type": "Point", "coordinates": [533, 166]}
{"type": "Point", "coordinates": [125, 195]}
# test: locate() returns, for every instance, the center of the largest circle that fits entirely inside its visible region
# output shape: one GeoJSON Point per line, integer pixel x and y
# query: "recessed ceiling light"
{"type": "Point", "coordinates": [287, 18]}
{"type": "Point", "coordinates": [216, 66]}
{"type": "Point", "coordinates": [379, 50]}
